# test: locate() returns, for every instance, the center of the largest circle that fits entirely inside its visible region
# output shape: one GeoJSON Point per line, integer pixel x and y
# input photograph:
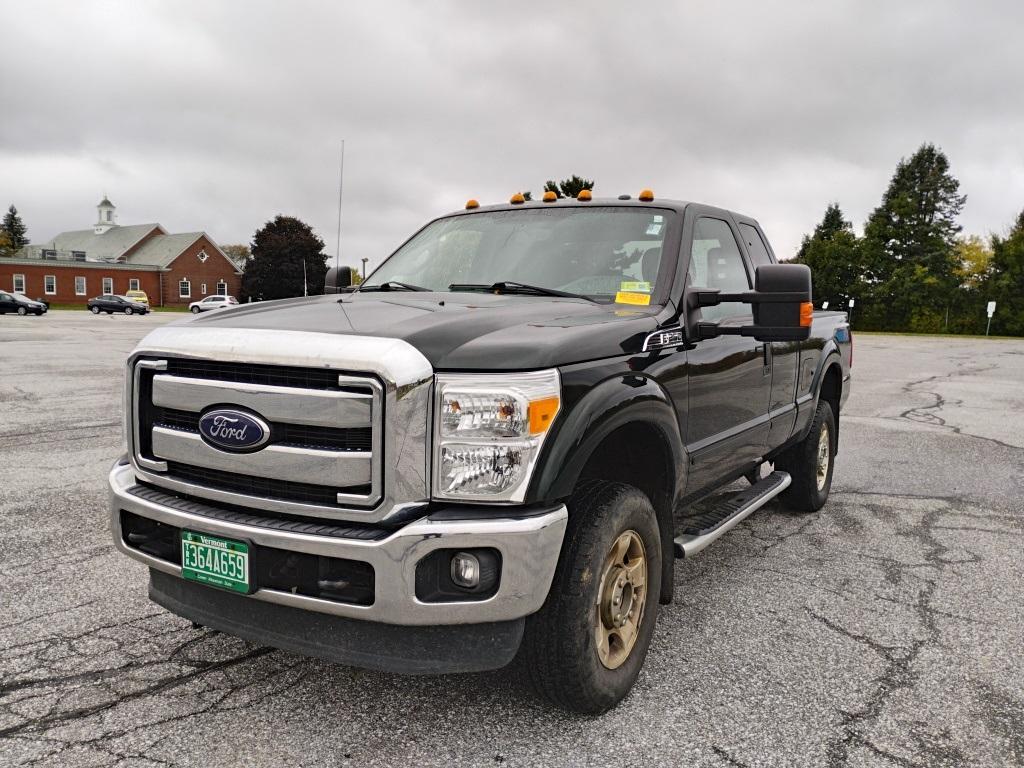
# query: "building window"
{"type": "Point", "coordinates": [79, 286]}
{"type": "Point", "coordinates": [50, 285]}
{"type": "Point", "coordinates": [202, 256]}
{"type": "Point", "coordinates": [78, 255]}
{"type": "Point", "coordinates": [133, 284]}
{"type": "Point", "coordinates": [49, 255]}
{"type": "Point", "coordinates": [19, 283]}
{"type": "Point", "coordinates": [108, 285]}
{"type": "Point", "coordinates": [185, 289]}
{"type": "Point", "coordinates": [202, 289]}
{"type": "Point", "coordinates": [222, 288]}
{"type": "Point", "coordinates": [110, 215]}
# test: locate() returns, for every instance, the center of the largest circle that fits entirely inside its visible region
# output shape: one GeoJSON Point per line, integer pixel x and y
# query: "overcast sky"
{"type": "Point", "coordinates": [216, 116]}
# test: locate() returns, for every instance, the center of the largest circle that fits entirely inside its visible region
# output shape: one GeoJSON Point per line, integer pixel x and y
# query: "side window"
{"type": "Point", "coordinates": [716, 262]}
{"type": "Point", "coordinates": [755, 245]}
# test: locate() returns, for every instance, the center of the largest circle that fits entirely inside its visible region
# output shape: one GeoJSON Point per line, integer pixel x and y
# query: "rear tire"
{"type": "Point", "coordinates": [94, 310]}
{"type": "Point", "coordinates": [810, 463]}
{"type": "Point", "coordinates": [22, 311]}
{"type": "Point", "coordinates": [585, 647]}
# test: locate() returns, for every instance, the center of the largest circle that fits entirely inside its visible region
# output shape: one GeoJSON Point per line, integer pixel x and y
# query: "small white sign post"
{"type": "Point", "coordinates": [991, 311]}
{"type": "Point", "coordinates": [850, 316]}
{"type": "Point", "coordinates": [824, 305]}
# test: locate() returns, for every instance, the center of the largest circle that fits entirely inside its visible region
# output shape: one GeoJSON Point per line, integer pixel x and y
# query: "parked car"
{"type": "Point", "coordinates": [139, 296]}
{"type": "Point", "coordinates": [111, 303]}
{"type": "Point", "coordinates": [212, 302]}
{"type": "Point", "coordinates": [484, 448]}
{"type": "Point", "coordinates": [21, 304]}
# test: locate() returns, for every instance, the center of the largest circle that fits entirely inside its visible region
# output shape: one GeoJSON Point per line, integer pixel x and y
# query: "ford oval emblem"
{"type": "Point", "coordinates": [232, 430]}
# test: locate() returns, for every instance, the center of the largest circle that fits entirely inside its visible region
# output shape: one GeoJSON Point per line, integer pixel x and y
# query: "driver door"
{"type": "Point", "coordinates": [729, 376]}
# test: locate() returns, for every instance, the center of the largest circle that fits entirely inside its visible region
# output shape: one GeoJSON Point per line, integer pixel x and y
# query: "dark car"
{"type": "Point", "coordinates": [111, 303]}
{"type": "Point", "coordinates": [23, 305]}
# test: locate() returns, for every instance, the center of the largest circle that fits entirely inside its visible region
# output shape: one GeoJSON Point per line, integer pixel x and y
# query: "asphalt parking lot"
{"type": "Point", "coordinates": [884, 630]}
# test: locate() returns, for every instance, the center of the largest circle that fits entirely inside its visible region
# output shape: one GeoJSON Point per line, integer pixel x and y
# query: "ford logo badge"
{"type": "Point", "coordinates": [232, 430]}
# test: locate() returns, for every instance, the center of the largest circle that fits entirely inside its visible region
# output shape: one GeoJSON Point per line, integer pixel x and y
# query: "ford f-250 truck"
{"type": "Point", "coordinates": [491, 447]}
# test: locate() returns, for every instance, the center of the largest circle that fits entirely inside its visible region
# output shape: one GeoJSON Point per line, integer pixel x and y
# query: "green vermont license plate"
{"type": "Point", "coordinates": [214, 560]}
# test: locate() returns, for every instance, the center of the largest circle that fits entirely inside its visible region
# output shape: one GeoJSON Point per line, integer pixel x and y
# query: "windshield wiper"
{"type": "Point", "coordinates": [511, 286]}
{"type": "Point", "coordinates": [392, 285]}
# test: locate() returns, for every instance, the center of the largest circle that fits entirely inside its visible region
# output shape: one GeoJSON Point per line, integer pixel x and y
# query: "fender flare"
{"type": "Point", "coordinates": [616, 402]}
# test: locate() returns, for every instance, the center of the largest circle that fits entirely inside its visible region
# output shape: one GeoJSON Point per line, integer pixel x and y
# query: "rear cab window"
{"type": "Point", "coordinates": [756, 247]}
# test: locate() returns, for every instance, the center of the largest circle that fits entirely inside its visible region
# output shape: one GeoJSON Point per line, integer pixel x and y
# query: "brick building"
{"type": "Point", "coordinates": [173, 270]}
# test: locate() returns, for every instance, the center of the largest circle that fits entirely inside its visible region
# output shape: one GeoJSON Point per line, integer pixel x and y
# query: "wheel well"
{"type": "Point", "coordinates": [636, 454]}
{"type": "Point", "coordinates": [831, 393]}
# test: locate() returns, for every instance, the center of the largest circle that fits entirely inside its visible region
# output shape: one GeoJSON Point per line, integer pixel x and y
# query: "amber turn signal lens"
{"type": "Point", "coordinates": [646, 195]}
{"type": "Point", "coordinates": [550, 197]}
{"type": "Point", "coordinates": [584, 195]}
{"type": "Point", "coordinates": [541, 414]}
{"type": "Point", "coordinates": [471, 204]}
{"type": "Point", "coordinates": [806, 314]}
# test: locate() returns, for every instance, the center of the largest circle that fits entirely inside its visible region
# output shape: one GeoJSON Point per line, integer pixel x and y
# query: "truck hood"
{"type": "Point", "coordinates": [461, 331]}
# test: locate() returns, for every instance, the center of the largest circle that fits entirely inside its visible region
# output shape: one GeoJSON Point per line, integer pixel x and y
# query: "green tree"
{"type": "Point", "coordinates": [238, 253]}
{"type": "Point", "coordinates": [833, 254]}
{"type": "Point", "coordinates": [15, 228]}
{"type": "Point", "coordinates": [6, 247]}
{"type": "Point", "coordinates": [570, 187]}
{"type": "Point", "coordinates": [1004, 283]}
{"type": "Point", "coordinates": [910, 244]}
{"type": "Point", "coordinates": [281, 251]}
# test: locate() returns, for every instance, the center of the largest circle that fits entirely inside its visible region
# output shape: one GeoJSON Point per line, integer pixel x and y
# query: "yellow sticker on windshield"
{"type": "Point", "coordinates": [638, 285]}
{"type": "Point", "coordinates": [626, 297]}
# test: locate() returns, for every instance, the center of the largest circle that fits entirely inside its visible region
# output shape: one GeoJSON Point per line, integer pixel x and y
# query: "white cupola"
{"type": "Point", "coordinates": [106, 216]}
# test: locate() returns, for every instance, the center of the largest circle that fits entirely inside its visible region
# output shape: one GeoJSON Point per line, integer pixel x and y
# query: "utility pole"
{"type": "Point", "coordinates": [341, 187]}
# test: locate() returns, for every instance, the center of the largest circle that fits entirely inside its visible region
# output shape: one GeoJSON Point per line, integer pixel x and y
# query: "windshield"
{"type": "Point", "coordinates": [604, 253]}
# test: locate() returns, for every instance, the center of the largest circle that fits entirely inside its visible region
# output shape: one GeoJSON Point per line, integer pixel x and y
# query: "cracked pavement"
{"type": "Point", "coordinates": [884, 630]}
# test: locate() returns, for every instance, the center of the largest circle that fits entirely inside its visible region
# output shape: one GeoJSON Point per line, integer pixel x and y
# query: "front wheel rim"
{"type": "Point", "coordinates": [824, 457]}
{"type": "Point", "coordinates": [621, 597]}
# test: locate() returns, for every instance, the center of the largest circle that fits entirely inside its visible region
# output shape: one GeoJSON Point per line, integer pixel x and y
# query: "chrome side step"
{"type": "Point", "coordinates": [703, 530]}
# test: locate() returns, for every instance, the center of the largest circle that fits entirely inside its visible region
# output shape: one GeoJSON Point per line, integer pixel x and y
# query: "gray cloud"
{"type": "Point", "coordinates": [217, 116]}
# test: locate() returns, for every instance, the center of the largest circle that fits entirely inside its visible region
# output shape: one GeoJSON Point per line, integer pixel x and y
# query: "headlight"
{"type": "Point", "coordinates": [489, 429]}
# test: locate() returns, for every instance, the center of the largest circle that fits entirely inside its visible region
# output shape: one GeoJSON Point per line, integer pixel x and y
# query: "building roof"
{"type": "Point", "coordinates": [106, 201]}
{"type": "Point", "coordinates": [109, 246]}
{"type": "Point", "coordinates": [163, 249]}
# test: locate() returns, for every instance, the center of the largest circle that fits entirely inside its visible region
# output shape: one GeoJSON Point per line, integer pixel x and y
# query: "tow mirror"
{"type": "Point", "coordinates": [337, 279]}
{"type": "Point", "coordinates": [781, 303]}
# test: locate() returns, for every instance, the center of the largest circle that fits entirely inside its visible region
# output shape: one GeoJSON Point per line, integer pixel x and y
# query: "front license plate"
{"type": "Point", "coordinates": [215, 560]}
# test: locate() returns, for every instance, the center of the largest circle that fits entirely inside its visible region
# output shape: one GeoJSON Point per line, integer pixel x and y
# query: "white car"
{"type": "Point", "coordinates": [212, 302]}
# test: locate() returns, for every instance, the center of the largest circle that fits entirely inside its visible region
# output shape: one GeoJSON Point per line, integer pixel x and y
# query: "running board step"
{"type": "Point", "coordinates": [702, 530]}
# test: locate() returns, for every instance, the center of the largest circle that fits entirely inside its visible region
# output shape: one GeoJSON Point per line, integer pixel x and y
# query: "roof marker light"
{"type": "Point", "coordinates": [550, 197]}
{"type": "Point", "coordinates": [584, 195]}
{"type": "Point", "coordinates": [471, 204]}
{"type": "Point", "coordinates": [517, 199]}
{"type": "Point", "coordinates": [646, 195]}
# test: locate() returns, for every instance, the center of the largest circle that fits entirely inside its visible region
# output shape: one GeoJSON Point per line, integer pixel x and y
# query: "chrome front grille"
{"type": "Point", "coordinates": [348, 417]}
{"type": "Point", "coordinates": [325, 444]}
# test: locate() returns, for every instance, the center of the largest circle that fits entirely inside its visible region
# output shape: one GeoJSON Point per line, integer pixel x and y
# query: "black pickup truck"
{"type": "Point", "coordinates": [493, 447]}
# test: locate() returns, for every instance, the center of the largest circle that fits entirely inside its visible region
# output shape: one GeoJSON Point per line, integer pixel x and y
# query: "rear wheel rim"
{"type": "Point", "coordinates": [824, 457]}
{"type": "Point", "coordinates": [621, 597]}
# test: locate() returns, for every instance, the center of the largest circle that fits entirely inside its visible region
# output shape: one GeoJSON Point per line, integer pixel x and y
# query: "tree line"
{"type": "Point", "coordinates": [913, 269]}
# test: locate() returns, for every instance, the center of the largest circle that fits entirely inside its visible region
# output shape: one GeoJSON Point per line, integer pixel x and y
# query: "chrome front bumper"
{"type": "Point", "coordinates": [529, 548]}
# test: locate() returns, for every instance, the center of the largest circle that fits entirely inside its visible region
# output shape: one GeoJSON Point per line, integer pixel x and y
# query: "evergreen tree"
{"type": "Point", "coordinates": [15, 228]}
{"type": "Point", "coordinates": [279, 251]}
{"type": "Point", "coordinates": [570, 187]}
{"type": "Point", "coordinates": [910, 243]}
{"type": "Point", "coordinates": [1004, 283]}
{"type": "Point", "coordinates": [833, 254]}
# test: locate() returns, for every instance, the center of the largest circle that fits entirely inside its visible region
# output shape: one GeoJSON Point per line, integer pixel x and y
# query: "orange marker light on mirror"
{"type": "Point", "coordinates": [471, 204]}
{"type": "Point", "coordinates": [806, 314]}
{"type": "Point", "coordinates": [646, 195]}
{"type": "Point", "coordinates": [517, 199]}
{"type": "Point", "coordinates": [584, 195]}
{"type": "Point", "coordinates": [550, 197]}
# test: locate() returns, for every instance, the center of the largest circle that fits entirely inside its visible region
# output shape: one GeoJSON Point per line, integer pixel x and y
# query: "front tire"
{"type": "Point", "coordinates": [585, 647]}
{"type": "Point", "coordinates": [94, 310]}
{"type": "Point", "coordinates": [810, 463]}
{"type": "Point", "coordinates": [22, 311]}
{"type": "Point", "coordinates": [194, 310]}
{"type": "Point", "coordinates": [129, 311]}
